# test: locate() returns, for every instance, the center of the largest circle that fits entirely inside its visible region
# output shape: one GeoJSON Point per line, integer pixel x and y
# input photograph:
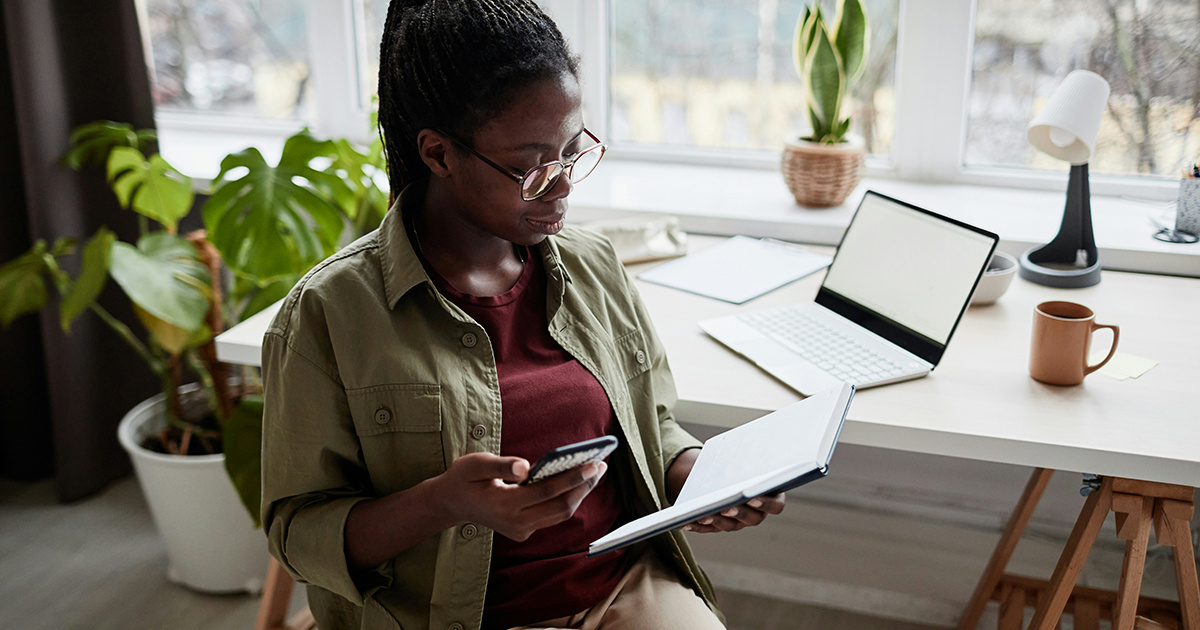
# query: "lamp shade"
{"type": "Point", "coordinates": [1067, 126]}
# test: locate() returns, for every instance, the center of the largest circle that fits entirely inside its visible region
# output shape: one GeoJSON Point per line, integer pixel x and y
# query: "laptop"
{"type": "Point", "coordinates": [886, 310]}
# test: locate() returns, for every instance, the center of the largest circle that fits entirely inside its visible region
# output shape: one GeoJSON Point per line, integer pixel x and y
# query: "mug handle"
{"type": "Point", "coordinates": [1116, 330]}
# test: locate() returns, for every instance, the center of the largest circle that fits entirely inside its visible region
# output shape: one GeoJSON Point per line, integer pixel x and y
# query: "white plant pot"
{"type": "Point", "coordinates": [212, 544]}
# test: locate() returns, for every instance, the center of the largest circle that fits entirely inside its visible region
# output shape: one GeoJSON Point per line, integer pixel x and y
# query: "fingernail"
{"type": "Point", "coordinates": [730, 512]}
{"type": "Point", "coordinates": [602, 467]}
{"type": "Point", "coordinates": [756, 503]}
{"type": "Point", "coordinates": [687, 528]}
{"type": "Point", "coordinates": [706, 520]}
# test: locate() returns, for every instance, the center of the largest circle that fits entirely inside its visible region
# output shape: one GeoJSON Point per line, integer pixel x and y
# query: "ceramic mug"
{"type": "Point", "coordinates": [1062, 336]}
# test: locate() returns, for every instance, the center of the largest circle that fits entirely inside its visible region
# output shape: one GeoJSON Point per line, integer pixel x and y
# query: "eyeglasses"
{"type": "Point", "coordinates": [538, 180]}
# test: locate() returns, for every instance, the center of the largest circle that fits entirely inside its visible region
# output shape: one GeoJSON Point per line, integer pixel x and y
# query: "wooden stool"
{"type": "Point", "coordinates": [277, 594]}
{"type": "Point", "coordinates": [1138, 505]}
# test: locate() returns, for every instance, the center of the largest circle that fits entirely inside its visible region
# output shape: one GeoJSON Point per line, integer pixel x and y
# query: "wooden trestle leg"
{"type": "Point", "coordinates": [1139, 505]}
{"type": "Point", "coordinates": [1004, 549]}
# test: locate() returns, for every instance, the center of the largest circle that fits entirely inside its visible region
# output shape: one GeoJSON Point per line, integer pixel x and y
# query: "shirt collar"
{"type": "Point", "coordinates": [402, 269]}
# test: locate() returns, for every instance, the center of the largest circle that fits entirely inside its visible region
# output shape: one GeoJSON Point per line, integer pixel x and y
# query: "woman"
{"type": "Point", "coordinates": [412, 377]}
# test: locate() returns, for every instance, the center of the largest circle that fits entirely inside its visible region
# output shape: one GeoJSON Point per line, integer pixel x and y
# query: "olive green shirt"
{"type": "Point", "coordinates": [375, 382]}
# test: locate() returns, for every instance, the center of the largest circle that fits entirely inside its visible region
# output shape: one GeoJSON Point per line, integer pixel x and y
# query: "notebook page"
{"type": "Point", "coordinates": [763, 446]}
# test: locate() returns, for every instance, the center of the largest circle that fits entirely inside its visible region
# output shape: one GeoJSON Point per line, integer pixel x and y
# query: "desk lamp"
{"type": "Point", "coordinates": [1066, 129]}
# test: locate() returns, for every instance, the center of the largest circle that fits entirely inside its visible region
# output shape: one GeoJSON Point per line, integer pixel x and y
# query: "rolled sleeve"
{"type": "Point", "coordinates": [313, 474]}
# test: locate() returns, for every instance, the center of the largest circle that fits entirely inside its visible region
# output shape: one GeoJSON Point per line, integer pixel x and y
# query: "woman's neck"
{"type": "Point", "coordinates": [472, 261]}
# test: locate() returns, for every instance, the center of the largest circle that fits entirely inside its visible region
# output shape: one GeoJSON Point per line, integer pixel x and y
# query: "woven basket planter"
{"type": "Point", "coordinates": [822, 175]}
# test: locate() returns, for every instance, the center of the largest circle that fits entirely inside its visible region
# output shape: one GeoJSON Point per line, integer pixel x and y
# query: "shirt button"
{"type": "Point", "coordinates": [478, 431]}
{"type": "Point", "coordinates": [469, 340]}
{"type": "Point", "coordinates": [469, 531]}
{"type": "Point", "coordinates": [383, 415]}
{"type": "Point", "coordinates": [641, 357]}
{"type": "Point", "coordinates": [455, 626]}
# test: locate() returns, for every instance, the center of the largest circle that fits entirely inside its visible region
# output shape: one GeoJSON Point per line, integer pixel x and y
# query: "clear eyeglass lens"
{"type": "Point", "coordinates": [540, 180]}
{"type": "Point", "coordinates": [585, 163]}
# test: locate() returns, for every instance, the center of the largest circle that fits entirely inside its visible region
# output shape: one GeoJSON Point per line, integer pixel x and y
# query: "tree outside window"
{"type": "Point", "coordinates": [230, 57]}
{"type": "Point", "coordinates": [1148, 50]}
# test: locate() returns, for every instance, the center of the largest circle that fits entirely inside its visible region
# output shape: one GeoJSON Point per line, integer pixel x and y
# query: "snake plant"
{"type": "Point", "coordinates": [829, 56]}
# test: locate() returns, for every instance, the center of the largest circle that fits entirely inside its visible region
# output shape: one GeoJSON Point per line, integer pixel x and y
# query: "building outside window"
{"type": "Point", "coordinates": [719, 74]}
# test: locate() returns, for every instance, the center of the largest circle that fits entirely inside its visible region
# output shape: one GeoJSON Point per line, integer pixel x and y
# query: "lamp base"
{"type": "Point", "coordinates": [1061, 277]}
{"type": "Point", "coordinates": [1071, 260]}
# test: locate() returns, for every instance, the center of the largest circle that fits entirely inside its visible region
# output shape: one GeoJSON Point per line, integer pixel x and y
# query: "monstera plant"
{"type": "Point", "coordinates": [824, 166]}
{"type": "Point", "coordinates": [164, 274]}
{"type": "Point", "coordinates": [271, 224]}
{"type": "Point", "coordinates": [265, 226]}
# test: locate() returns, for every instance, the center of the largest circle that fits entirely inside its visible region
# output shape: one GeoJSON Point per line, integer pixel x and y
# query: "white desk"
{"type": "Point", "coordinates": [980, 403]}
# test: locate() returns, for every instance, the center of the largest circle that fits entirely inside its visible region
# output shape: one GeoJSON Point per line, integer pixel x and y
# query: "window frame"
{"type": "Point", "coordinates": [933, 74]}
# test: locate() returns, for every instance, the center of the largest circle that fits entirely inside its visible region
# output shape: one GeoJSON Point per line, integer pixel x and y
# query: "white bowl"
{"type": "Point", "coordinates": [995, 280]}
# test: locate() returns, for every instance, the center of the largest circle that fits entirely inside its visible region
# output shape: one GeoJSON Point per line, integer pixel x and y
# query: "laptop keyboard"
{"type": "Point", "coordinates": [823, 346]}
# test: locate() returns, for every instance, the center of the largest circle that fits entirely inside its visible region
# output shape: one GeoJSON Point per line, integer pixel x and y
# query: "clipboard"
{"type": "Point", "coordinates": [738, 269]}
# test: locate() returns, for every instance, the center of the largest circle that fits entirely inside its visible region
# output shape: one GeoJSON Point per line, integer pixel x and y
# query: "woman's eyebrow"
{"type": "Point", "coordinates": [541, 146]}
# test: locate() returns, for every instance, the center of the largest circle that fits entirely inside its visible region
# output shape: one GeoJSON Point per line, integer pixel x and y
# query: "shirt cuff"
{"type": "Point", "coordinates": [314, 552]}
{"type": "Point", "coordinates": [675, 440]}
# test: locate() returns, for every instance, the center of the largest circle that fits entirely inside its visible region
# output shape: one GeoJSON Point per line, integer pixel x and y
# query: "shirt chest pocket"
{"type": "Point", "coordinates": [632, 359]}
{"type": "Point", "coordinates": [399, 427]}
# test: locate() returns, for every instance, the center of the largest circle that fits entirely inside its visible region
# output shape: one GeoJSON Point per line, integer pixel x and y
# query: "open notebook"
{"type": "Point", "coordinates": [777, 452]}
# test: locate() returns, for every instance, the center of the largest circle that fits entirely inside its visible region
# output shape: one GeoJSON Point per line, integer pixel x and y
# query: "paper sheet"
{"type": "Point", "coordinates": [738, 269]}
{"type": "Point", "coordinates": [1122, 365]}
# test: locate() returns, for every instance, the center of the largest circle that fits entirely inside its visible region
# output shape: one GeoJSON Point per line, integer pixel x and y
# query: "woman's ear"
{"type": "Point", "coordinates": [434, 149]}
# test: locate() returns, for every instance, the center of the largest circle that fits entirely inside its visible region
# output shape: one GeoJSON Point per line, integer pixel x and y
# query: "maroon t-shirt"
{"type": "Point", "coordinates": [548, 399]}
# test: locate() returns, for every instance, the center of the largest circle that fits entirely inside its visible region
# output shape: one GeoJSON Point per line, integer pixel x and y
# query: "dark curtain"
{"type": "Point", "coordinates": [66, 62]}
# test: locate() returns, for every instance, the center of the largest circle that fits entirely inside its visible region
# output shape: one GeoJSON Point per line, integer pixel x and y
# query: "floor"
{"type": "Point", "coordinates": [99, 564]}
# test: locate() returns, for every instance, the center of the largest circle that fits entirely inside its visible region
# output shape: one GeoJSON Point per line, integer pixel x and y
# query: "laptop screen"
{"type": "Point", "coordinates": [910, 266]}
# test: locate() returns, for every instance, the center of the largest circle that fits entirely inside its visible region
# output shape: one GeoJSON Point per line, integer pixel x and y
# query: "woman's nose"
{"type": "Point", "coordinates": [560, 189]}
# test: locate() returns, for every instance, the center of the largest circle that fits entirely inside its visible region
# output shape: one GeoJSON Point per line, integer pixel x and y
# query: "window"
{"type": "Point", "coordinates": [949, 89]}
{"type": "Point", "coordinates": [719, 74]}
{"type": "Point", "coordinates": [374, 15]}
{"type": "Point", "coordinates": [245, 59]}
{"type": "Point", "coordinates": [1148, 50]}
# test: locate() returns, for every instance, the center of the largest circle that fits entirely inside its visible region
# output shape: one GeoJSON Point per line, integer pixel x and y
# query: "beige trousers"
{"type": "Point", "coordinates": [649, 597]}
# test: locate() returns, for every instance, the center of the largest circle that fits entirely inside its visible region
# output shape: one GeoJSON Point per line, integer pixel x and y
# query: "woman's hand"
{"type": "Point", "coordinates": [748, 514]}
{"type": "Point", "coordinates": [477, 488]}
{"type": "Point", "coordinates": [480, 488]}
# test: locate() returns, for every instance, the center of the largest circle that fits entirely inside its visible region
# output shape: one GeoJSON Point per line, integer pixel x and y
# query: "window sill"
{"type": "Point", "coordinates": [725, 201]}
{"type": "Point", "coordinates": [196, 144]}
{"type": "Point", "coordinates": [728, 201]}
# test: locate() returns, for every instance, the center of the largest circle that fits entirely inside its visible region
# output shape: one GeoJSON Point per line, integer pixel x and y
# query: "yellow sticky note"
{"type": "Point", "coordinates": [1122, 365]}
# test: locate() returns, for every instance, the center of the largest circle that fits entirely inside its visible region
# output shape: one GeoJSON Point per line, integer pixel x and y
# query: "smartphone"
{"type": "Point", "coordinates": [565, 458]}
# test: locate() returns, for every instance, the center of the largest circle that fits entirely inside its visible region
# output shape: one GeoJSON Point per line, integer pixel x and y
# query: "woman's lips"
{"type": "Point", "coordinates": [548, 228]}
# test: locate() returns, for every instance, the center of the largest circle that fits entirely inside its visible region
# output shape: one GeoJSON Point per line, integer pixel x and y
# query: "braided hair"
{"type": "Point", "coordinates": [452, 64]}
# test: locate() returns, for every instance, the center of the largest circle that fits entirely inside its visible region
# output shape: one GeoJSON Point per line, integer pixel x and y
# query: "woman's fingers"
{"type": "Point", "coordinates": [769, 503]}
{"type": "Point", "coordinates": [749, 514]}
{"type": "Point", "coordinates": [555, 499]}
{"type": "Point", "coordinates": [715, 523]}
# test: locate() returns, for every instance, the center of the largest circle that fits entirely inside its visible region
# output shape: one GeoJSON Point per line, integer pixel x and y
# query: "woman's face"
{"type": "Point", "coordinates": [543, 123]}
